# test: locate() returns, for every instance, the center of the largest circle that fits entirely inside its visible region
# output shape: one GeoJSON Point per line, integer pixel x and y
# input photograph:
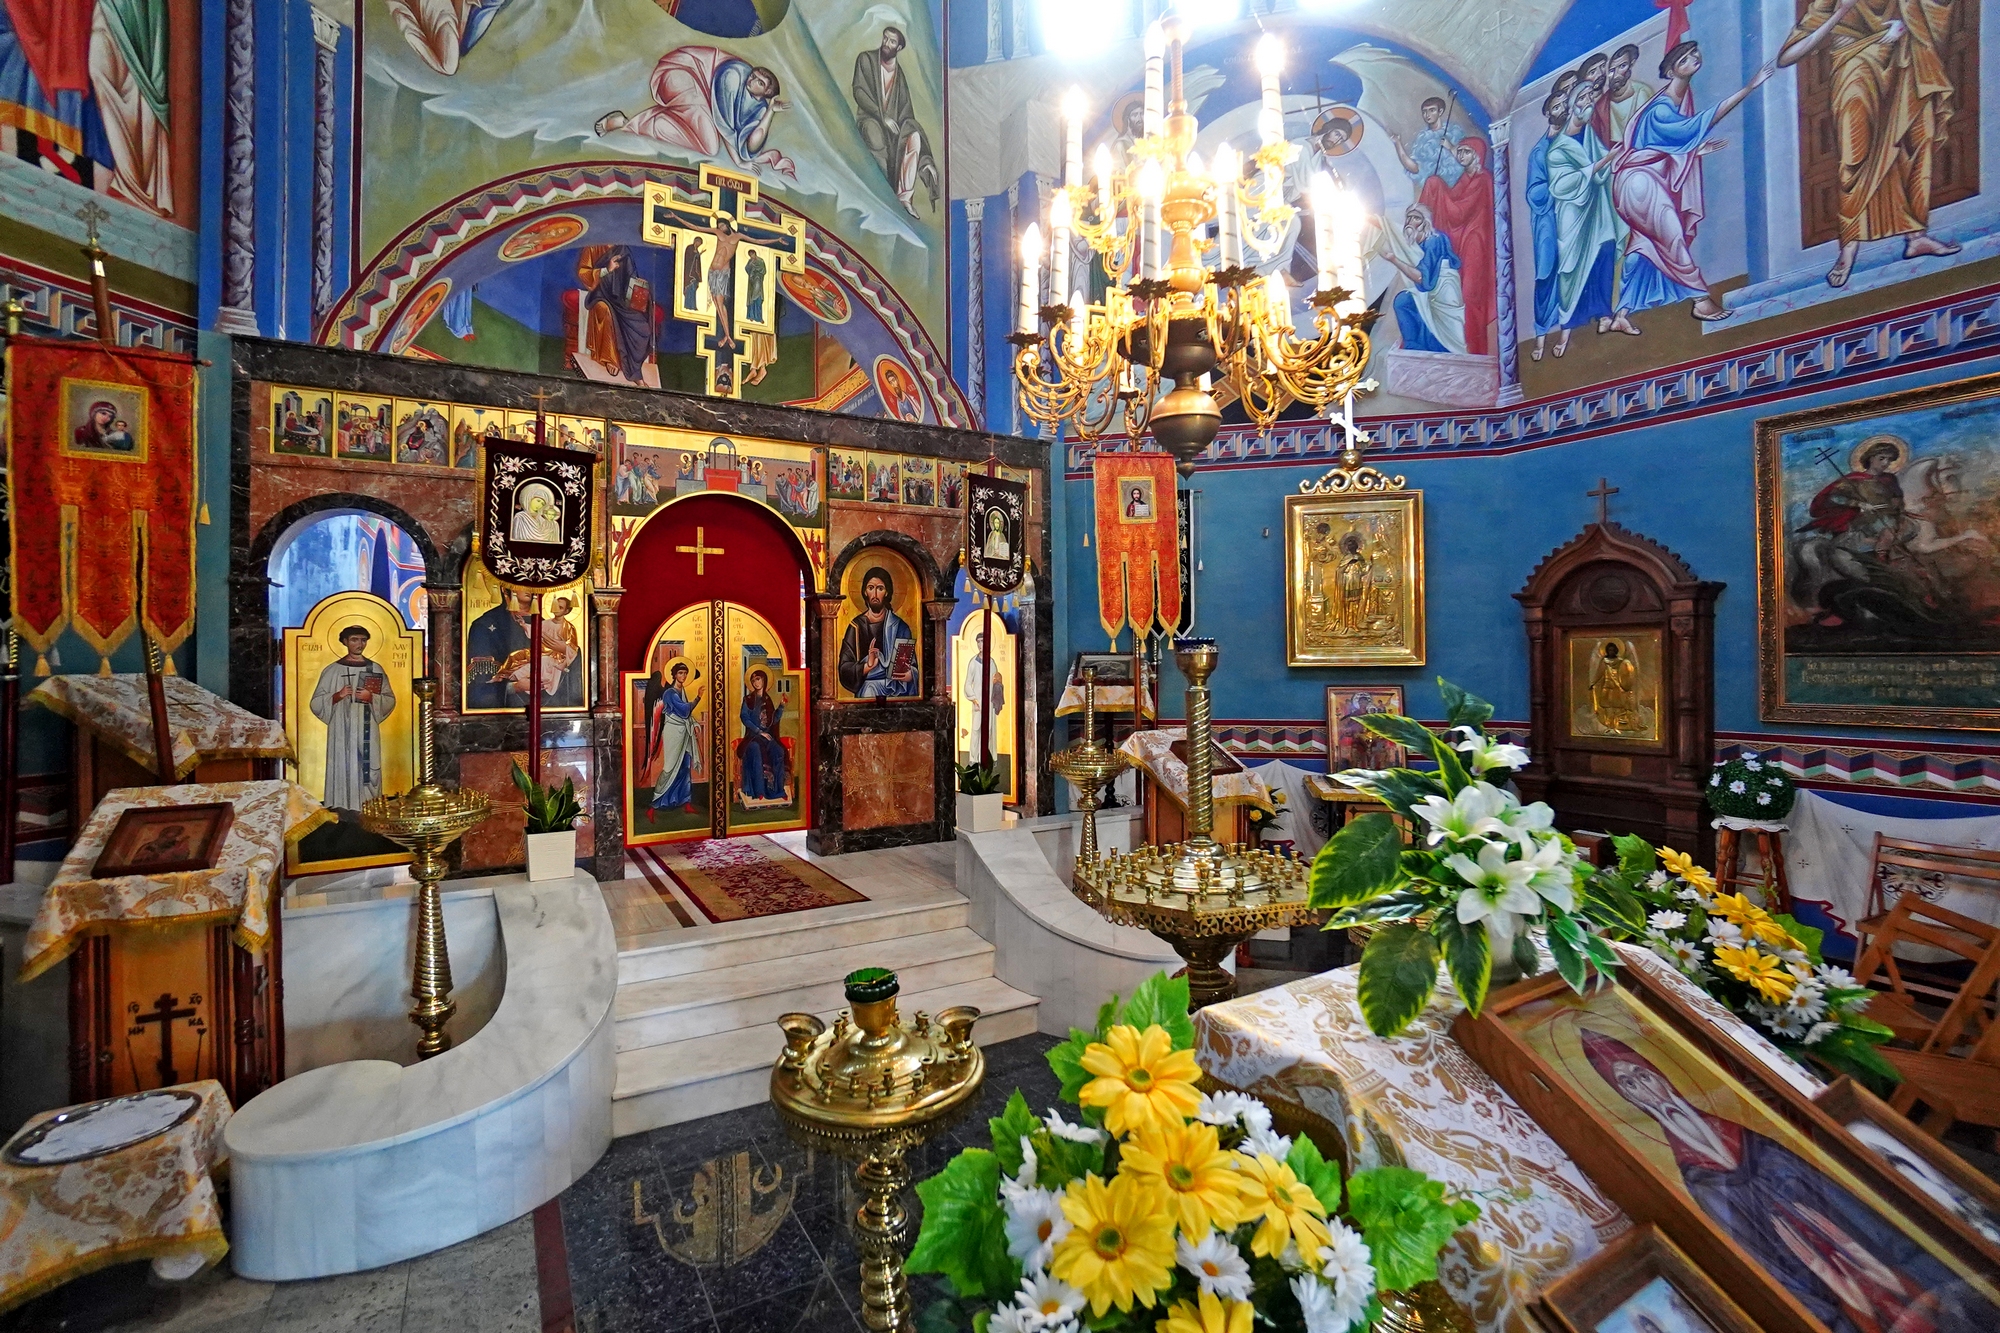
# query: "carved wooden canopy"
{"type": "Point", "coordinates": [1621, 687]}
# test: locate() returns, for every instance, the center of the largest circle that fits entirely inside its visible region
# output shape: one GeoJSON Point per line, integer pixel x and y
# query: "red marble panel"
{"type": "Point", "coordinates": [497, 842]}
{"type": "Point", "coordinates": [888, 779]}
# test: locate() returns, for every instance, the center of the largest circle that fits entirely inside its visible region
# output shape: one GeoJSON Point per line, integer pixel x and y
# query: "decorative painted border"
{"type": "Point", "coordinates": [1965, 772]}
{"type": "Point", "coordinates": [1936, 333]}
{"type": "Point", "coordinates": [57, 305]}
{"type": "Point", "coordinates": [363, 316]}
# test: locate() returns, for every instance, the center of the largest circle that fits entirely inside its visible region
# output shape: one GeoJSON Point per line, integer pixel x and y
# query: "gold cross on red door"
{"type": "Point", "coordinates": [701, 551]}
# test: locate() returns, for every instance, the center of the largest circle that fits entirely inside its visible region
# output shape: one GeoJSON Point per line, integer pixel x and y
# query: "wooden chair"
{"type": "Point", "coordinates": [1926, 862]}
{"type": "Point", "coordinates": [1954, 1087]}
{"type": "Point", "coordinates": [1951, 1012]}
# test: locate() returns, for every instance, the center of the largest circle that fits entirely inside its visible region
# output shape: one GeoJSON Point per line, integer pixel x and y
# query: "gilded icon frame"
{"type": "Point", "coordinates": [1845, 430]}
{"type": "Point", "coordinates": [1398, 518]}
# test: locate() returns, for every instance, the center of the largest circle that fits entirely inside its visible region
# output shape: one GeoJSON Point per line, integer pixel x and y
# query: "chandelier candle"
{"type": "Point", "coordinates": [1031, 279]}
{"type": "Point", "coordinates": [1059, 223]}
{"type": "Point", "coordinates": [1271, 64]}
{"type": "Point", "coordinates": [1156, 54]}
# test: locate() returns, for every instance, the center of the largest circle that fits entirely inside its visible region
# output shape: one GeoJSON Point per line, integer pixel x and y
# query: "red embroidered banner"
{"type": "Point", "coordinates": [1137, 543]}
{"type": "Point", "coordinates": [100, 454]}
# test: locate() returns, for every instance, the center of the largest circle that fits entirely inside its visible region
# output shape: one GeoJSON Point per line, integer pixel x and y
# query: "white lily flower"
{"type": "Point", "coordinates": [1473, 813]}
{"type": "Point", "coordinates": [1494, 884]}
{"type": "Point", "coordinates": [1482, 755]}
{"type": "Point", "coordinates": [1063, 1129]}
{"type": "Point", "coordinates": [1217, 1265]}
{"type": "Point", "coordinates": [1525, 823]}
{"type": "Point", "coordinates": [1666, 921]}
{"type": "Point", "coordinates": [1035, 1222]}
{"type": "Point", "coordinates": [1554, 875]}
{"type": "Point", "coordinates": [1049, 1301]}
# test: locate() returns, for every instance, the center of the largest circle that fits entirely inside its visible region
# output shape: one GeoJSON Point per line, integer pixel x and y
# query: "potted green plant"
{"type": "Point", "coordinates": [981, 804]}
{"type": "Point", "coordinates": [553, 814]}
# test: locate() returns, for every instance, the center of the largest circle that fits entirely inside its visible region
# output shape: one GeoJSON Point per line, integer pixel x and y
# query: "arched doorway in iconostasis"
{"type": "Point", "coordinates": [717, 698]}
{"type": "Point", "coordinates": [989, 677]}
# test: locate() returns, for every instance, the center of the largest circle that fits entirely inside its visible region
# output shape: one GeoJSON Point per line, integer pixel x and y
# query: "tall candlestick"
{"type": "Point", "coordinates": [1073, 108]}
{"type": "Point", "coordinates": [1271, 64]}
{"type": "Point", "coordinates": [1323, 248]}
{"type": "Point", "coordinates": [1031, 278]}
{"type": "Point", "coordinates": [1156, 53]}
{"type": "Point", "coordinates": [1059, 220]}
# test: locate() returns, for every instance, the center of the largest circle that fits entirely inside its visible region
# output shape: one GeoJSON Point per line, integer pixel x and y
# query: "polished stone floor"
{"type": "Point", "coordinates": [719, 1226]}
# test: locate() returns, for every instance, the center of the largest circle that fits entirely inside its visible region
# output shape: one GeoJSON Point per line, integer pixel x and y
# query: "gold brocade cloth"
{"type": "Point", "coordinates": [153, 1200]}
{"type": "Point", "coordinates": [1152, 750]}
{"type": "Point", "coordinates": [202, 724]}
{"type": "Point", "coordinates": [236, 888]}
{"type": "Point", "coordinates": [1418, 1100]}
{"type": "Point", "coordinates": [1110, 699]}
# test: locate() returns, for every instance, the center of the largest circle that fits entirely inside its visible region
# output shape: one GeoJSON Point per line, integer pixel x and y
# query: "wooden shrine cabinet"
{"type": "Point", "coordinates": [1621, 688]}
{"type": "Point", "coordinates": [165, 1004]}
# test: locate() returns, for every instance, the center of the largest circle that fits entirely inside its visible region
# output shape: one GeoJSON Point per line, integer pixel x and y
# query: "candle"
{"type": "Point", "coordinates": [1078, 318]}
{"type": "Point", "coordinates": [1279, 300]}
{"type": "Point", "coordinates": [1073, 108]}
{"type": "Point", "coordinates": [1270, 64]}
{"type": "Point", "coordinates": [1031, 278]}
{"type": "Point", "coordinates": [1152, 186]}
{"type": "Point", "coordinates": [1156, 52]}
{"type": "Point", "coordinates": [1100, 164]}
{"type": "Point", "coordinates": [1059, 219]}
{"type": "Point", "coordinates": [1322, 190]}
{"type": "Point", "coordinates": [1229, 221]}
{"type": "Point", "coordinates": [1349, 217]}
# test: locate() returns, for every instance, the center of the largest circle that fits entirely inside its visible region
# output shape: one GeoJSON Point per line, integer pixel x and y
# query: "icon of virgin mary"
{"type": "Point", "coordinates": [1848, 1264]}
{"type": "Point", "coordinates": [537, 515]}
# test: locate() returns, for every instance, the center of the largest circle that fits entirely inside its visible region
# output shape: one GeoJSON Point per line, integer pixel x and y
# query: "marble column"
{"type": "Point", "coordinates": [237, 313]}
{"type": "Point", "coordinates": [1020, 30]}
{"type": "Point", "coordinates": [975, 304]}
{"type": "Point", "coordinates": [993, 27]}
{"type": "Point", "coordinates": [326, 41]}
{"type": "Point", "coordinates": [937, 643]}
{"type": "Point", "coordinates": [604, 605]}
{"type": "Point", "coordinates": [1503, 268]}
{"type": "Point", "coordinates": [443, 645]}
{"type": "Point", "coordinates": [828, 609]}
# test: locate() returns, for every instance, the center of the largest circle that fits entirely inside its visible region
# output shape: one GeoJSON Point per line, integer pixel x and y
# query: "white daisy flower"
{"type": "Point", "coordinates": [1790, 1026]}
{"type": "Point", "coordinates": [1217, 1265]}
{"type": "Point", "coordinates": [1724, 932]}
{"type": "Point", "coordinates": [1035, 1222]}
{"type": "Point", "coordinates": [1687, 893]}
{"type": "Point", "coordinates": [1763, 798]}
{"type": "Point", "coordinates": [1753, 765]}
{"type": "Point", "coordinates": [1818, 1032]}
{"type": "Point", "coordinates": [1048, 1301]}
{"type": "Point", "coordinates": [1657, 880]}
{"type": "Point", "coordinates": [1348, 1265]}
{"type": "Point", "coordinates": [1737, 787]}
{"type": "Point", "coordinates": [1686, 955]}
{"type": "Point", "coordinates": [1666, 921]}
{"type": "Point", "coordinates": [1024, 1179]}
{"type": "Point", "coordinates": [1063, 1129]}
{"type": "Point", "coordinates": [1290, 1259]}
{"type": "Point", "coordinates": [1233, 1108]}
{"type": "Point", "coordinates": [1010, 1319]}
{"type": "Point", "coordinates": [1715, 781]}
{"type": "Point", "coordinates": [1834, 978]}
{"type": "Point", "coordinates": [1317, 1304]}
{"type": "Point", "coordinates": [1267, 1143]}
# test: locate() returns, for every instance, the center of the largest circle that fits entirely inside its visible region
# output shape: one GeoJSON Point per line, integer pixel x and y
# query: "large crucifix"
{"type": "Point", "coordinates": [729, 247]}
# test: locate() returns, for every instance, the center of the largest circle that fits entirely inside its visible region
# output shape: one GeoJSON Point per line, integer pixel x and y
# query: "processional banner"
{"type": "Point", "coordinates": [100, 456]}
{"type": "Point", "coordinates": [536, 507]}
{"type": "Point", "coordinates": [996, 532]}
{"type": "Point", "coordinates": [1138, 543]}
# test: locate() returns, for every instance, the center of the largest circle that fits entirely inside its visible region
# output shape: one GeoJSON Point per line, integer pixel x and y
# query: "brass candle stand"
{"type": "Point", "coordinates": [1089, 765]}
{"type": "Point", "coordinates": [1201, 897]}
{"type": "Point", "coordinates": [869, 1089]}
{"type": "Point", "coordinates": [427, 819]}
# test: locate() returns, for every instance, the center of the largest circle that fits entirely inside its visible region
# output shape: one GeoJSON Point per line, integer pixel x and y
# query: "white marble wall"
{"type": "Point", "coordinates": [347, 976]}
{"type": "Point", "coordinates": [366, 1163]}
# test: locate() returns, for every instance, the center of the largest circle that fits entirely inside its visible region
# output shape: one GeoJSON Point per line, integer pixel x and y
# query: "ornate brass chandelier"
{"type": "Point", "coordinates": [1184, 298]}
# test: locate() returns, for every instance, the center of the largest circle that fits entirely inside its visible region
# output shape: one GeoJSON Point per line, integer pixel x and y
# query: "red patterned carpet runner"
{"type": "Point", "coordinates": [735, 879]}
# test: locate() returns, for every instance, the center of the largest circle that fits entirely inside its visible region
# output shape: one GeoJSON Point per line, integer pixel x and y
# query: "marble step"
{"type": "Point", "coordinates": [748, 995]}
{"type": "Point", "coordinates": [685, 1080]}
{"type": "Point", "coordinates": [707, 948]}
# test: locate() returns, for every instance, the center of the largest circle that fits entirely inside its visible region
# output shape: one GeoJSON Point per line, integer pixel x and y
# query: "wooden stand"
{"type": "Point", "coordinates": [1164, 819]}
{"type": "Point", "coordinates": [159, 1005]}
{"type": "Point", "coordinates": [98, 766]}
{"type": "Point", "coordinates": [1770, 882]}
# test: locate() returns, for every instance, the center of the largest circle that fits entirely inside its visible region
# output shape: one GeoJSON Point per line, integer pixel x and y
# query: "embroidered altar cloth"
{"type": "Point", "coordinates": [1110, 699]}
{"type": "Point", "coordinates": [153, 1200]}
{"type": "Point", "coordinates": [236, 888]}
{"type": "Point", "coordinates": [202, 724]}
{"type": "Point", "coordinates": [1152, 750]}
{"type": "Point", "coordinates": [1418, 1100]}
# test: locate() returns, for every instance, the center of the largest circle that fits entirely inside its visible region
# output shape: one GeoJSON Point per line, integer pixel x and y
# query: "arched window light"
{"type": "Point", "coordinates": [1079, 31]}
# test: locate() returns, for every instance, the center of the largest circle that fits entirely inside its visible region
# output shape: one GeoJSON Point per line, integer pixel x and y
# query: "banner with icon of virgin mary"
{"type": "Point", "coordinates": [996, 532]}
{"type": "Point", "coordinates": [535, 514]}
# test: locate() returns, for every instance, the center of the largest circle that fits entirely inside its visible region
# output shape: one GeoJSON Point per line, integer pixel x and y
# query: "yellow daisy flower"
{"type": "Point", "coordinates": [1683, 866]}
{"type": "Point", "coordinates": [1141, 1079]}
{"type": "Point", "coordinates": [1735, 907]}
{"type": "Point", "coordinates": [1120, 1245]}
{"type": "Point", "coordinates": [1186, 1165]}
{"type": "Point", "coordinates": [1290, 1210]}
{"type": "Point", "coordinates": [1774, 934]}
{"type": "Point", "coordinates": [1211, 1315]}
{"type": "Point", "coordinates": [1760, 971]}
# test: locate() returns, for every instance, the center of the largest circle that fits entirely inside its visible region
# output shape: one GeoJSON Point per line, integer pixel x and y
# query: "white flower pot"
{"type": "Point", "coordinates": [982, 814]}
{"type": "Point", "coordinates": [552, 855]}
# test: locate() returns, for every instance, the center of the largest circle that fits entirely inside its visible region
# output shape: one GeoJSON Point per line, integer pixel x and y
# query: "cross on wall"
{"type": "Point", "coordinates": [701, 550]}
{"type": "Point", "coordinates": [1605, 490]}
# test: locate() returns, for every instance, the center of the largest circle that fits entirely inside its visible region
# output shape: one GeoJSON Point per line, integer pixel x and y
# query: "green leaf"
{"type": "Point", "coordinates": [964, 1235]}
{"type": "Point", "coordinates": [1526, 956]}
{"type": "Point", "coordinates": [1406, 1219]}
{"type": "Point", "coordinates": [1636, 856]}
{"type": "Point", "coordinates": [1398, 974]}
{"type": "Point", "coordinates": [1468, 956]}
{"type": "Point", "coordinates": [522, 781]}
{"type": "Point", "coordinates": [1609, 902]}
{"type": "Point", "coordinates": [1601, 954]}
{"type": "Point", "coordinates": [1064, 1160]}
{"type": "Point", "coordinates": [1809, 937]}
{"type": "Point", "coordinates": [1066, 1063]}
{"type": "Point", "coordinates": [1357, 863]}
{"type": "Point", "coordinates": [1163, 1000]}
{"type": "Point", "coordinates": [1566, 947]}
{"type": "Point", "coordinates": [1401, 905]}
{"type": "Point", "coordinates": [1008, 1129]}
{"type": "Point", "coordinates": [1461, 708]}
{"type": "Point", "coordinates": [1400, 788]}
{"type": "Point", "coordinates": [1107, 1014]}
{"type": "Point", "coordinates": [1315, 1172]}
{"type": "Point", "coordinates": [1852, 1051]}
